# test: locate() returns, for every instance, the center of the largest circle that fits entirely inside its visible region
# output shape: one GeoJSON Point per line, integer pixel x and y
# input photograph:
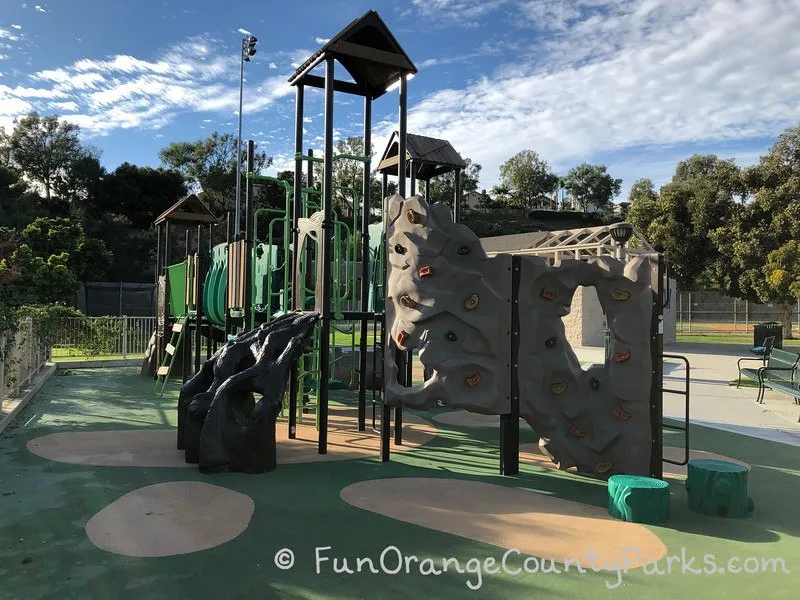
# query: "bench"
{"type": "Point", "coordinates": [778, 374]}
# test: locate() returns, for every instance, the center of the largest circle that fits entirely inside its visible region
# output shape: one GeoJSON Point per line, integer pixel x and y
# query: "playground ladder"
{"type": "Point", "coordinates": [685, 426]}
{"type": "Point", "coordinates": [176, 337]}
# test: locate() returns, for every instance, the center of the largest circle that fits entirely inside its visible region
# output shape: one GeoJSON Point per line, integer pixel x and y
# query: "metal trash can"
{"type": "Point", "coordinates": [762, 331]}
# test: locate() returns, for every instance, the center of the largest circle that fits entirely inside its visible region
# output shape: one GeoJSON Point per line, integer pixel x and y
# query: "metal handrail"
{"type": "Point", "coordinates": [685, 427]}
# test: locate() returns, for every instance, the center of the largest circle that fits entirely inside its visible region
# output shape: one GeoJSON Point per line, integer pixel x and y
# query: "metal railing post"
{"type": "Point", "coordinates": [124, 337]}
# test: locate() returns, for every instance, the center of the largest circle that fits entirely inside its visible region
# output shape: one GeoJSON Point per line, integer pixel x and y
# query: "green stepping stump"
{"type": "Point", "coordinates": [638, 499]}
{"type": "Point", "coordinates": [718, 488]}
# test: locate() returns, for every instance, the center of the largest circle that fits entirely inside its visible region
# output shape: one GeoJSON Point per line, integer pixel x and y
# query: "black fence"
{"type": "Point", "coordinates": [99, 299]}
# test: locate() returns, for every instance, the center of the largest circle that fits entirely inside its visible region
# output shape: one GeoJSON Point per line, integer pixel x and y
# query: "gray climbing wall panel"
{"type": "Point", "coordinates": [452, 302]}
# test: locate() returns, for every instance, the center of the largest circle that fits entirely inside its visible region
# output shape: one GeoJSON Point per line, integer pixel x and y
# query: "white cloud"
{"type": "Point", "coordinates": [69, 106]}
{"type": "Point", "coordinates": [273, 65]}
{"type": "Point", "coordinates": [5, 34]}
{"type": "Point", "coordinates": [322, 40]}
{"type": "Point", "coordinates": [243, 31]}
{"type": "Point", "coordinates": [648, 74]}
{"type": "Point", "coordinates": [16, 26]}
{"type": "Point", "coordinates": [39, 8]}
{"type": "Point", "coordinates": [3, 56]}
{"type": "Point", "coordinates": [126, 92]}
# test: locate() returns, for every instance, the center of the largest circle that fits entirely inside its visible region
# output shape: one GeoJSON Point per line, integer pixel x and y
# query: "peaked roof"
{"type": "Point", "coordinates": [368, 51]}
{"type": "Point", "coordinates": [189, 210]}
{"type": "Point", "coordinates": [431, 155]}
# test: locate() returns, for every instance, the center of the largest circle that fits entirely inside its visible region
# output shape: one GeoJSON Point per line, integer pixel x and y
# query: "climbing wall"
{"type": "Point", "coordinates": [452, 302]}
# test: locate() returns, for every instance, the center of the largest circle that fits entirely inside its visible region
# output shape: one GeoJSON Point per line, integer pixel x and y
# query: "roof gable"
{"type": "Point", "coordinates": [189, 210]}
{"type": "Point", "coordinates": [368, 51]}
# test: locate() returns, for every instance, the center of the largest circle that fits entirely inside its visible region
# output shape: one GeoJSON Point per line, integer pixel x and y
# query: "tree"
{"type": "Point", "coordinates": [758, 243]}
{"type": "Point", "coordinates": [44, 147]}
{"type": "Point", "coordinates": [80, 183]}
{"type": "Point", "coordinates": [17, 203]}
{"type": "Point", "coordinates": [87, 258]}
{"type": "Point", "coordinates": [527, 176]}
{"type": "Point", "coordinates": [677, 219]}
{"type": "Point", "coordinates": [210, 165]}
{"type": "Point", "coordinates": [5, 148]}
{"type": "Point", "coordinates": [592, 185]}
{"type": "Point", "coordinates": [443, 187]}
{"type": "Point", "coordinates": [139, 193]}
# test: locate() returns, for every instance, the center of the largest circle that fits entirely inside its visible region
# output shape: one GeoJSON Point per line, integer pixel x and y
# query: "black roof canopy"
{"type": "Point", "coordinates": [189, 210]}
{"type": "Point", "coordinates": [368, 51]}
{"type": "Point", "coordinates": [430, 156]}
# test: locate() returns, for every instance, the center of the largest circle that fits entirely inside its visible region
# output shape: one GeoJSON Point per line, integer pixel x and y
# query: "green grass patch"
{"type": "Point", "coordinates": [725, 338]}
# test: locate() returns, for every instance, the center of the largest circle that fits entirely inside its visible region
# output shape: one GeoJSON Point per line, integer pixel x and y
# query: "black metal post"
{"type": "Point", "coordinates": [509, 423]}
{"type": "Point", "coordinates": [657, 366]}
{"type": "Point", "coordinates": [365, 210]}
{"type": "Point", "coordinates": [198, 301]}
{"type": "Point", "coordinates": [228, 238]}
{"type": "Point", "coordinates": [428, 190]}
{"type": "Point", "coordinates": [457, 199]}
{"type": "Point", "coordinates": [167, 244]}
{"type": "Point", "coordinates": [413, 169]}
{"type": "Point", "coordinates": [247, 319]}
{"type": "Point", "coordinates": [210, 327]}
{"type": "Point", "coordinates": [403, 359]}
{"type": "Point", "coordinates": [386, 410]}
{"type": "Point", "coordinates": [325, 258]}
{"type": "Point", "coordinates": [297, 201]}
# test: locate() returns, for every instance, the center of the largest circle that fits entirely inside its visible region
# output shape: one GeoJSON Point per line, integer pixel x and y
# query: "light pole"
{"type": "Point", "coordinates": [248, 50]}
{"type": "Point", "coordinates": [621, 233]}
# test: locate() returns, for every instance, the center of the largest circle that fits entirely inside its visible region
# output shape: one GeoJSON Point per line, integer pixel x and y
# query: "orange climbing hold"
{"type": "Point", "coordinates": [621, 413]}
{"type": "Point", "coordinates": [622, 356]}
{"type": "Point", "coordinates": [425, 271]}
{"type": "Point", "coordinates": [576, 431]}
{"type": "Point", "coordinates": [559, 387]}
{"type": "Point", "coordinates": [412, 216]}
{"type": "Point", "coordinates": [471, 303]}
{"type": "Point", "coordinates": [474, 380]}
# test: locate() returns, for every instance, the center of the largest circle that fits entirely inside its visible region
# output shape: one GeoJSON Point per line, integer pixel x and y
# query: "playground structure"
{"type": "Point", "coordinates": [489, 328]}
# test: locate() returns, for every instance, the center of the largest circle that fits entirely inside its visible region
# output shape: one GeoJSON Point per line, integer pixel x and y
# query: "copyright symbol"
{"type": "Point", "coordinates": [284, 559]}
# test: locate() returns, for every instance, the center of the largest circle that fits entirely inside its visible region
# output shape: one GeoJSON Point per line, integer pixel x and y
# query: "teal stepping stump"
{"type": "Point", "coordinates": [638, 499]}
{"type": "Point", "coordinates": [718, 488]}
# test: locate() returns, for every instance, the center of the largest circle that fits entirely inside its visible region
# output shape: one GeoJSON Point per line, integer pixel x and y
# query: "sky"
{"type": "Point", "coordinates": [636, 85]}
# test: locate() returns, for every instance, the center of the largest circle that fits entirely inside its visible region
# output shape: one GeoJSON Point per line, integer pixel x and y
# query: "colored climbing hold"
{"type": "Point", "coordinates": [407, 301]}
{"type": "Point", "coordinates": [451, 337]}
{"type": "Point", "coordinates": [412, 216]}
{"type": "Point", "coordinates": [401, 338]}
{"type": "Point", "coordinates": [558, 387]}
{"type": "Point", "coordinates": [603, 467]}
{"type": "Point", "coordinates": [474, 380]}
{"type": "Point", "coordinates": [550, 342]}
{"type": "Point", "coordinates": [594, 383]}
{"type": "Point", "coordinates": [548, 294]}
{"type": "Point", "coordinates": [622, 356]}
{"type": "Point", "coordinates": [621, 295]}
{"type": "Point", "coordinates": [471, 303]}
{"type": "Point", "coordinates": [576, 431]}
{"type": "Point", "coordinates": [463, 250]}
{"type": "Point", "coordinates": [621, 413]}
{"type": "Point", "coordinates": [399, 248]}
{"type": "Point", "coordinates": [425, 271]}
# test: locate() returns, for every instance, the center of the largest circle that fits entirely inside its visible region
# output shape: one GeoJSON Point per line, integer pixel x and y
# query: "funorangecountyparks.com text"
{"type": "Point", "coordinates": [392, 561]}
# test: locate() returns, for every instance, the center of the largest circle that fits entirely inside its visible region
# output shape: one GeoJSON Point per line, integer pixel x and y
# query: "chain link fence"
{"type": "Point", "coordinates": [713, 312]}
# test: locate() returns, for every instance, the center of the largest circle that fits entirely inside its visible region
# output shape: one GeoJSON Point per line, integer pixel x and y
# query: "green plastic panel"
{"type": "Point", "coordinates": [176, 277]}
{"type": "Point", "coordinates": [215, 286]}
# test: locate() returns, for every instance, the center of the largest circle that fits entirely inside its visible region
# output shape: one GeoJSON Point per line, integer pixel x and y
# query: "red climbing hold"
{"type": "Point", "coordinates": [474, 380]}
{"type": "Point", "coordinates": [548, 294]}
{"type": "Point", "coordinates": [425, 271]}
{"type": "Point", "coordinates": [622, 356]}
{"type": "Point", "coordinates": [401, 338]}
{"type": "Point", "coordinates": [621, 413]}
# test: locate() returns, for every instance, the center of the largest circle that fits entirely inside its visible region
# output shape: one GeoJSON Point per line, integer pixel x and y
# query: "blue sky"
{"type": "Point", "coordinates": [634, 84]}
